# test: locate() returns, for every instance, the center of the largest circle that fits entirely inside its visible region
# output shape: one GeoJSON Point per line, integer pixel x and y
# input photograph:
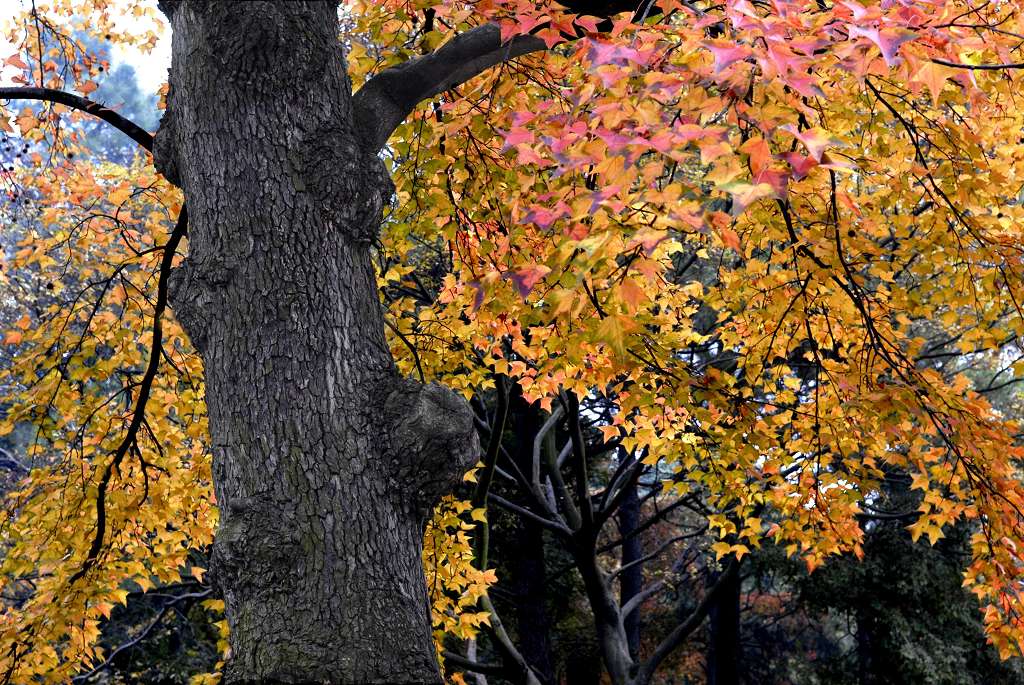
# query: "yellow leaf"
{"type": "Point", "coordinates": [120, 195]}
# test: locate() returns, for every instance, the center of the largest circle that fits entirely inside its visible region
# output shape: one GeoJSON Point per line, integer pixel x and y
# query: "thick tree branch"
{"type": "Point", "coordinates": [474, 666]}
{"type": "Point", "coordinates": [503, 643]}
{"type": "Point", "coordinates": [125, 126]}
{"type": "Point", "coordinates": [390, 96]}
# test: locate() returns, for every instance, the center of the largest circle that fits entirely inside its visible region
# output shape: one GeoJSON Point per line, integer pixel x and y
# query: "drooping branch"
{"type": "Point", "coordinates": [188, 598]}
{"type": "Point", "coordinates": [83, 104]}
{"type": "Point", "coordinates": [145, 140]}
{"type": "Point", "coordinates": [129, 441]}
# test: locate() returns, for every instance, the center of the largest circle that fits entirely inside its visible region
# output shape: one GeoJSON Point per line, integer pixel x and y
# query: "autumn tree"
{"type": "Point", "coordinates": [715, 233]}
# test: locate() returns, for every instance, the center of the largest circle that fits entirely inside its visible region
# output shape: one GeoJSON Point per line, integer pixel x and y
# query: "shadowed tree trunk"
{"type": "Point", "coordinates": [527, 569]}
{"type": "Point", "coordinates": [632, 579]}
{"type": "Point", "coordinates": [326, 461]}
{"type": "Point", "coordinates": [724, 625]}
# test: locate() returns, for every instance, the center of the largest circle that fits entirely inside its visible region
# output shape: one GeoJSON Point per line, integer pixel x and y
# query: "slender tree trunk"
{"type": "Point", "coordinates": [632, 579]}
{"type": "Point", "coordinates": [526, 564]}
{"type": "Point", "coordinates": [866, 665]}
{"type": "Point", "coordinates": [325, 460]}
{"type": "Point", "coordinates": [724, 624]}
{"type": "Point", "coordinates": [527, 573]}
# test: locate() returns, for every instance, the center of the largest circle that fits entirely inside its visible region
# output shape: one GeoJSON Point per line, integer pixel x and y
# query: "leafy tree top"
{"type": "Point", "coordinates": [773, 235]}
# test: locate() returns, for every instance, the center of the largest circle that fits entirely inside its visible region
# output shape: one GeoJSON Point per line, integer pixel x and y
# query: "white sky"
{"type": "Point", "coordinates": [150, 69]}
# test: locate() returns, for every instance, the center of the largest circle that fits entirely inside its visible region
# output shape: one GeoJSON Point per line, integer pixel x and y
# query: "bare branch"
{"type": "Point", "coordinates": [125, 126]}
{"type": "Point", "coordinates": [979, 67]}
{"type": "Point", "coordinates": [684, 629]}
{"type": "Point", "coordinates": [474, 666]}
{"type": "Point", "coordinates": [638, 599]}
{"type": "Point", "coordinates": [555, 526]}
{"type": "Point", "coordinates": [538, 439]}
{"type": "Point", "coordinates": [9, 461]}
{"type": "Point", "coordinates": [504, 645]}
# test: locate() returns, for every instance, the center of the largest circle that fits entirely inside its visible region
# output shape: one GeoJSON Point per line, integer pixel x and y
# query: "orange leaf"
{"type": "Point", "coordinates": [632, 294]}
{"type": "Point", "coordinates": [934, 77]}
{"type": "Point", "coordinates": [26, 121]}
{"type": "Point", "coordinates": [16, 61]}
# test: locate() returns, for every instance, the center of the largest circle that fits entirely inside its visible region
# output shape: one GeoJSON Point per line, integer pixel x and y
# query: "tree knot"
{"type": "Point", "coordinates": [349, 185]}
{"type": "Point", "coordinates": [433, 440]}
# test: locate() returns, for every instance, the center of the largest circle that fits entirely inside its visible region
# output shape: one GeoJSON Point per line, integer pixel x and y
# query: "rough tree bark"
{"type": "Point", "coordinates": [326, 461]}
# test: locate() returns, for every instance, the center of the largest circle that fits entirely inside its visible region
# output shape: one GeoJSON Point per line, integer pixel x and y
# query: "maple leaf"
{"type": "Point", "coordinates": [727, 53]}
{"type": "Point", "coordinates": [15, 60]}
{"type": "Point", "coordinates": [816, 140]}
{"type": "Point", "coordinates": [746, 194]}
{"type": "Point", "coordinates": [933, 76]}
{"type": "Point", "coordinates": [758, 153]}
{"type": "Point", "coordinates": [613, 330]}
{"type": "Point", "coordinates": [632, 294]}
{"type": "Point", "coordinates": [26, 121]}
{"type": "Point", "coordinates": [888, 40]}
{"type": "Point", "coordinates": [800, 164]}
{"type": "Point", "coordinates": [525, 278]}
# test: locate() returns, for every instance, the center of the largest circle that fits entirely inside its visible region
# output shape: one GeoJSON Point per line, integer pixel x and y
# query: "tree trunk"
{"type": "Point", "coordinates": [724, 625]}
{"type": "Point", "coordinates": [527, 569]}
{"type": "Point", "coordinates": [326, 462]}
{"type": "Point", "coordinates": [631, 580]}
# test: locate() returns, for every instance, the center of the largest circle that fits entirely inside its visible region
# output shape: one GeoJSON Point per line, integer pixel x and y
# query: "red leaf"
{"type": "Point", "coordinates": [801, 165]}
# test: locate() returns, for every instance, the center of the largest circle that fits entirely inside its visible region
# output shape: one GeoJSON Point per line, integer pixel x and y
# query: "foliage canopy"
{"type": "Point", "coordinates": [777, 237]}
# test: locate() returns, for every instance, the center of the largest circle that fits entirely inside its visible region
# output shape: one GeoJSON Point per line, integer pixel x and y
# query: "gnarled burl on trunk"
{"type": "Point", "coordinates": [326, 461]}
